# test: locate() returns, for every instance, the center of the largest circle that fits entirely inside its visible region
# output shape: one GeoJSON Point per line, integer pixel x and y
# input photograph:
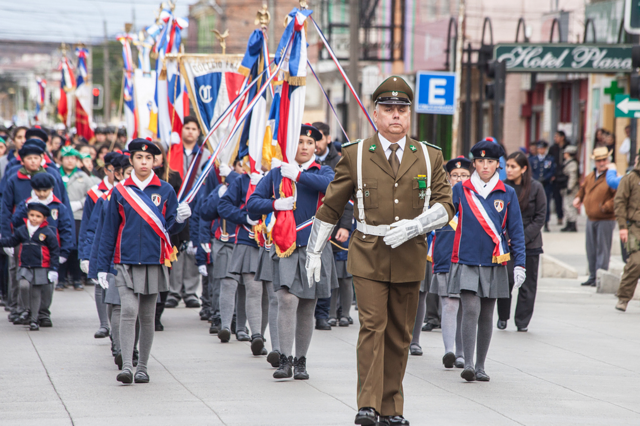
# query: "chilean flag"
{"type": "Point", "coordinates": [40, 97]}
{"type": "Point", "coordinates": [130, 111]}
{"type": "Point", "coordinates": [84, 97]}
{"type": "Point", "coordinates": [67, 84]}
{"type": "Point", "coordinates": [177, 110]}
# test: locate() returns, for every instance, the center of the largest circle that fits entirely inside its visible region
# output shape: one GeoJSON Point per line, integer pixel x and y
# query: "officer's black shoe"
{"type": "Point", "coordinates": [300, 369]}
{"type": "Point", "coordinates": [141, 377]}
{"type": "Point", "coordinates": [274, 359]}
{"type": "Point", "coordinates": [502, 324]}
{"type": "Point", "coordinates": [367, 416]}
{"type": "Point", "coordinates": [448, 360]}
{"type": "Point", "coordinates": [469, 374]}
{"type": "Point", "coordinates": [588, 283]}
{"type": "Point", "coordinates": [126, 376]}
{"type": "Point", "coordinates": [243, 336]}
{"type": "Point", "coordinates": [192, 303]}
{"type": "Point", "coordinates": [224, 335]}
{"type": "Point", "coordinates": [257, 344]}
{"type": "Point", "coordinates": [159, 326]}
{"type": "Point", "coordinates": [332, 322]}
{"type": "Point", "coordinates": [45, 322]}
{"type": "Point", "coordinates": [285, 370]}
{"type": "Point", "coordinates": [118, 360]}
{"type": "Point", "coordinates": [34, 326]}
{"type": "Point", "coordinates": [481, 376]}
{"type": "Point", "coordinates": [322, 324]}
{"type": "Point", "coordinates": [136, 356]}
{"type": "Point", "coordinates": [344, 322]}
{"type": "Point", "coordinates": [171, 303]}
{"type": "Point", "coordinates": [101, 333]}
{"type": "Point", "coordinates": [430, 326]}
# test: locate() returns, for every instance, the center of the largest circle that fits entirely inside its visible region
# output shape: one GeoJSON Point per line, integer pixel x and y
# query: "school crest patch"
{"type": "Point", "coordinates": [54, 214]}
{"type": "Point", "coordinates": [156, 198]}
{"type": "Point", "coordinates": [499, 205]}
{"type": "Point", "coordinates": [42, 237]}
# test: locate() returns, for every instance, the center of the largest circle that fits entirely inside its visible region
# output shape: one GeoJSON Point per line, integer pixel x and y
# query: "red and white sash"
{"type": "Point", "coordinates": [499, 255]}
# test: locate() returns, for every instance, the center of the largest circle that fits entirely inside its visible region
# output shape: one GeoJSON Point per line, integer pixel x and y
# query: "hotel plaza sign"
{"type": "Point", "coordinates": [559, 57]}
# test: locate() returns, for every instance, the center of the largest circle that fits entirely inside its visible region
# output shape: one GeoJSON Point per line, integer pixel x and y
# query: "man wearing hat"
{"type": "Point", "coordinates": [543, 169]}
{"type": "Point", "coordinates": [401, 193]}
{"type": "Point", "coordinates": [597, 198]}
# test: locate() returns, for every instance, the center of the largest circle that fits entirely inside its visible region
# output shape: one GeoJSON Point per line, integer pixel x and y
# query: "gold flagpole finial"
{"type": "Point", "coordinates": [263, 17]}
{"type": "Point", "coordinates": [222, 38]}
{"type": "Point", "coordinates": [63, 49]}
{"type": "Point", "coordinates": [303, 4]}
{"type": "Point", "coordinates": [128, 27]}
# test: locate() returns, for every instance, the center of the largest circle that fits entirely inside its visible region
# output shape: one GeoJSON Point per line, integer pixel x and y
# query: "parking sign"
{"type": "Point", "coordinates": [436, 92]}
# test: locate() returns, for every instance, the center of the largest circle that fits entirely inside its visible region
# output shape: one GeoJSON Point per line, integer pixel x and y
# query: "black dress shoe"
{"type": "Point", "coordinates": [215, 326]}
{"type": "Point", "coordinates": [274, 359]}
{"type": "Point", "coordinates": [23, 319]}
{"type": "Point", "coordinates": [481, 376]}
{"type": "Point", "coordinates": [224, 335]}
{"type": "Point", "coordinates": [367, 416]}
{"type": "Point", "coordinates": [344, 322]}
{"type": "Point", "coordinates": [469, 374]}
{"type": "Point", "coordinates": [141, 377]}
{"type": "Point", "coordinates": [34, 326]}
{"type": "Point", "coordinates": [257, 344]}
{"type": "Point", "coordinates": [415, 349]}
{"type": "Point", "coordinates": [13, 316]}
{"type": "Point", "coordinates": [396, 421]}
{"type": "Point", "coordinates": [332, 322]}
{"type": "Point", "coordinates": [264, 351]}
{"type": "Point", "coordinates": [171, 303]}
{"type": "Point", "coordinates": [350, 320]}
{"type": "Point", "coordinates": [125, 376]}
{"type": "Point", "coordinates": [300, 369]}
{"type": "Point", "coordinates": [588, 283]}
{"type": "Point", "coordinates": [322, 324]}
{"type": "Point", "coordinates": [243, 336]}
{"type": "Point", "coordinates": [192, 303]}
{"type": "Point", "coordinates": [449, 360]}
{"type": "Point", "coordinates": [523, 329]}
{"type": "Point", "coordinates": [285, 370]}
{"type": "Point", "coordinates": [502, 324]}
{"type": "Point", "coordinates": [204, 315]}
{"type": "Point", "coordinates": [101, 333]}
{"type": "Point", "coordinates": [45, 322]}
{"type": "Point", "coordinates": [459, 363]}
{"type": "Point", "coordinates": [159, 326]}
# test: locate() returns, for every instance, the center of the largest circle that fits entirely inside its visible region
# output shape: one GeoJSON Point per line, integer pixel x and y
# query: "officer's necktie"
{"type": "Point", "coordinates": [393, 158]}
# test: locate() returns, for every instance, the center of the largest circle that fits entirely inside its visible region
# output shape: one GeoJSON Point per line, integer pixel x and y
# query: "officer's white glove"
{"type": "Point", "coordinates": [519, 274]}
{"type": "Point", "coordinates": [8, 251]}
{"type": "Point", "coordinates": [183, 212]}
{"type": "Point", "coordinates": [314, 267]}
{"type": "Point", "coordinates": [290, 171]}
{"type": "Point", "coordinates": [284, 204]}
{"type": "Point", "coordinates": [206, 247]}
{"type": "Point", "coordinates": [224, 170]}
{"type": "Point", "coordinates": [318, 237]}
{"type": "Point", "coordinates": [203, 270]}
{"type": "Point", "coordinates": [102, 280]}
{"type": "Point", "coordinates": [84, 266]}
{"type": "Point", "coordinates": [76, 205]}
{"type": "Point", "coordinates": [53, 277]}
{"type": "Point", "coordinates": [251, 222]}
{"type": "Point", "coordinates": [61, 259]}
{"type": "Point", "coordinates": [404, 230]}
{"type": "Point", "coordinates": [275, 163]}
{"type": "Point", "coordinates": [255, 178]}
{"type": "Point", "coordinates": [191, 250]}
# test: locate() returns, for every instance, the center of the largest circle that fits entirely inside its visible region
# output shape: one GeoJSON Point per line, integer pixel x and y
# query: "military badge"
{"type": "Point", "coordinates": [412, 148]}
{"type": "Point", "coordinates": [156, 199]}
{"type": "Point", "coordinates": [422, 194]}
{"type": "Point", "coordinates": [54, 214]}
{"type": "Point", "coordinates": [394, 93]}
{"type": "Point", "coordinates": [372, 148]}
{"type": "Point", "coordinates": [422, 181]}
{"type": "Point", "coordinates": [499, 205]}
{"type": "Point", "coordinates": [42, 237]}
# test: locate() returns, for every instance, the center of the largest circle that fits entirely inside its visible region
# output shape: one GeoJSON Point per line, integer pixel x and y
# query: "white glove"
{"type": "Point", "coordinates": [84, 266]}
{"type": "Point", "coordinates": [251, 222]}
{"type": "Point", "coordinates": [314, 267]}
{"type": "Point", "coordinates": [76, 205]}
{"type": "Point", "coordinates": [53, 277]}
{"type": "Point", "coordinates": [183, 212]}
{"type": "Point", "coordinates": [519, 274]}
{"type": "Point", "coordinates": [224, 170]}
{"type": "Point", "coordinates": [283, 204]}
{"type": "Point", "coordinates": [102, 280]}
{"type": "Point", "coordinates": [402, 231]}
{"type": "Point", "coordinates": [191, 250]}
{"type": "Point", "coordinates": [61, 259]}
{"type": "Point", "coordinates": [203, 270]}
{"type": "Point", "coordinates": [206, 247]}
{"type": "Point", "coordinates": [255, 178]}
{"type": "Point", "coordinates": [222, 190]}
{"type": "Point", "coordinates": [290, 171]}
{"type": "Point", "coordinates": [8, 251]}
{"type": "Point", "coordinates": [275, 163]}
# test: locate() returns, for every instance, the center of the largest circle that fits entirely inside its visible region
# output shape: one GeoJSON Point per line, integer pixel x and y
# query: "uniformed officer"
{"type": "Point", "coordinates": [401, 194]}
{"type": "Point", "coordinates": [543, 169]}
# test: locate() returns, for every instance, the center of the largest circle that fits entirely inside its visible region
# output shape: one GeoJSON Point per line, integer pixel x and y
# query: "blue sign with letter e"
{"type": "Point", "coordinates": [436, 92]}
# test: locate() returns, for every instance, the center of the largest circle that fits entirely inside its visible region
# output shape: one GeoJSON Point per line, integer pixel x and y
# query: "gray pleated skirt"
{"type": "Point", "coordinates": [440, 285]}
{"type": "Point", "coordinates": [220, 256]}
{"type": "Point", "coordinates": [424, 284]}
{"type": "Point", "coordinates": [111, 294]}
{"type": "Point", "coordinates": [244, 260]}
{"type": "Point", "coordinates": [265, 266]}
{"type": "Point", "coordinates": [486, 281]}
{"type": "Point", "coordinates": [35, 276]}
{"type": "Point", "coordinates": [143, 279]}
{"type": "Point", "coordinates": [341, 269]}
{"type": "Point", "coordinates": [291, 272]}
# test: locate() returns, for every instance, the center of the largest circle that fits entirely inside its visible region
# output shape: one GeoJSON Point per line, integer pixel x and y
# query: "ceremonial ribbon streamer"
{"type": "Point", "coordinates": [329, 102]}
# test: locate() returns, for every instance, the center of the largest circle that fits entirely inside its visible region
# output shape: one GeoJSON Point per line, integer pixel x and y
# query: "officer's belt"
{"type": "Point", "coordinates": [376, 230]}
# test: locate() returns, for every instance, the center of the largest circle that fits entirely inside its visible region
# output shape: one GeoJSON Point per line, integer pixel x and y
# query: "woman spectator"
{"type": "Point", "coordinates": [533, 207]}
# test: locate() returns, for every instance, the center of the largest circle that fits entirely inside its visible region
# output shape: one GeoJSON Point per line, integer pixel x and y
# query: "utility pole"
{"type": "Point", "coordinates": [354, 56]}
{"type": "Point", "coordinates": [106, 108]}
{"type": "Point", "coordinates": [459, 43]}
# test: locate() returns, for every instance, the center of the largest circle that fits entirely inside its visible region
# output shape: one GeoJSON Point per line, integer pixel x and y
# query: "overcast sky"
{"type": "Point", "coordinates": [76, 20]}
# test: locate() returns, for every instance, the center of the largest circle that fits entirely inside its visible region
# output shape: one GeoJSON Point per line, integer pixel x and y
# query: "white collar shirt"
{"type": "Point", "coordinates": [387, 147]}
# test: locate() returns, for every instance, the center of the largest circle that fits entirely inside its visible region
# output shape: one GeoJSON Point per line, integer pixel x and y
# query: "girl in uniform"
{"type": "Point", "coordinates": [486, 209]}
{"type": "Point", "coordinates": [296, 296]}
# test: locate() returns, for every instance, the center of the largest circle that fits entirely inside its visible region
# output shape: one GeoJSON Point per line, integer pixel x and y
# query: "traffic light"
{"type": "Point", "coordinates": [97, 96]}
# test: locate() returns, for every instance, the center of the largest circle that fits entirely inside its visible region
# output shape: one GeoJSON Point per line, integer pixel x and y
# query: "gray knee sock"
{"type": "Point", "coordinates": [147, 317]}
{"type": "Point", "coordinates": [101, 308]}
{"type": "Point", "coordinates": [254, 290]}
{"type": "Point", "coordinates": [287, 307]}
{"type": "Point", "coordinates": [115, 325]}
{"type": "Point", "coordinates": [449, 322]}
{"type": "Point", "coordinates": [265, 309]}
{"type": "Point", "coordinates": [35, 299]}
{"type": "Point", "coordinates": [470, 313]}
{"type": "Point", "coordinates": [485, 328]}
{"type": "Point", "coordinates": [304, 327]}
{"type": "Point", "coordinates": [459, 346]}
{"type": "Point", "coordinates": [214, 289]}
{"type": "Point", "coordinates": [422, 309]}
{"type": "Point", "coordinates": [228, 288]}
{"type": "Point", "coordinates": [241, 315]}
{"type": "Point", "coordinates": [346, 295]}
{"type": "Point", "coordinates": [273, 316]}
{"type": "Point", "coordinates": [128, 317]}
{"type": "Point", "coordinates": [333, 307]}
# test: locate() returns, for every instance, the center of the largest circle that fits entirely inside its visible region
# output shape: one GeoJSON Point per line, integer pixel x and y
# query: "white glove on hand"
{"type": "Point", "coordinates": [290, 171]}
{"type": "Point", "coordinates": [206, 247]}
{"type": "Point", "coordinates": [275, 163]}
{"type": "Point", "coordinates": [203, 270]}
{"type": "Point", "coordinates": [283, 204]}
{"type": "Point", "coordinates": [314, 267]}
{"type": "Point", "coordinates": [183, 212]}
{"type": "Point", "coordinates": [8, 251]}
{"type": "Point", "coordinates": [102, 280]}
{"type": "Point", "coordinates": [255, 178]}
{"type": "Point", "coordinates": [61, 259]}
{"type": "Point", "coordinates": [519, 274]}
{"type": "Point", "coordinates": [224, 170]}
{"type": "Point", "coordinates": [53, 277]}
{"type": "Point", "coordinates": [191, 250]}
{"type": "Point", "coordinates": [84, 266]}
{"type": "Point", "coordinates": [251, 222]}
{"type": "Point", "coordinates": [402, 231]}
{"type": "Point", "coordinates": [76, 205]}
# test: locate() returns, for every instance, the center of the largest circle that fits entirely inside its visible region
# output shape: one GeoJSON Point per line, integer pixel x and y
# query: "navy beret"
{"type": "Point", "coordinates": [458, 163]}
{"type": "Point", "coordinates": [143, 145]}
{"type": "Point", "coordinates": [42, 181]}
{"type": "Point", "coordinates": [42, 208]}
{"type": "Point", "coordinates": [124, 162]}
{"type": "Point", "coordinates": [310, 131]}
{"type": "Point", "coordinates": [30, 149]}
{"type": "Point", "coordinates": [110, 158]}
{"type": "Point", "coordinates": [38, 133]}
{"type": "Point", "coordinates": [487, 149]}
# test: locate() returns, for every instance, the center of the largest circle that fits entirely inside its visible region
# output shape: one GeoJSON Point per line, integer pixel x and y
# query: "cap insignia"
{"type": "Point", "coordinates": [372, 148]}
{"type": "Point", "coordinates": [144, 147]}
{"type": "Point", "coordinates": [412, 148]}
{"type": "Point", "coordinates": [482, 153]}
{"type": "Point", "coordinates": [458, 164]}
{"type": "Point", "coordinates": [309, 133]}
{"type": "Point", "coordinates": [394, 93]}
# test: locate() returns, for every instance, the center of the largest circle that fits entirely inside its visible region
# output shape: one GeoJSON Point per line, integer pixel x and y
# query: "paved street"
{"type": "Point", "coordinates": [576, 366]}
